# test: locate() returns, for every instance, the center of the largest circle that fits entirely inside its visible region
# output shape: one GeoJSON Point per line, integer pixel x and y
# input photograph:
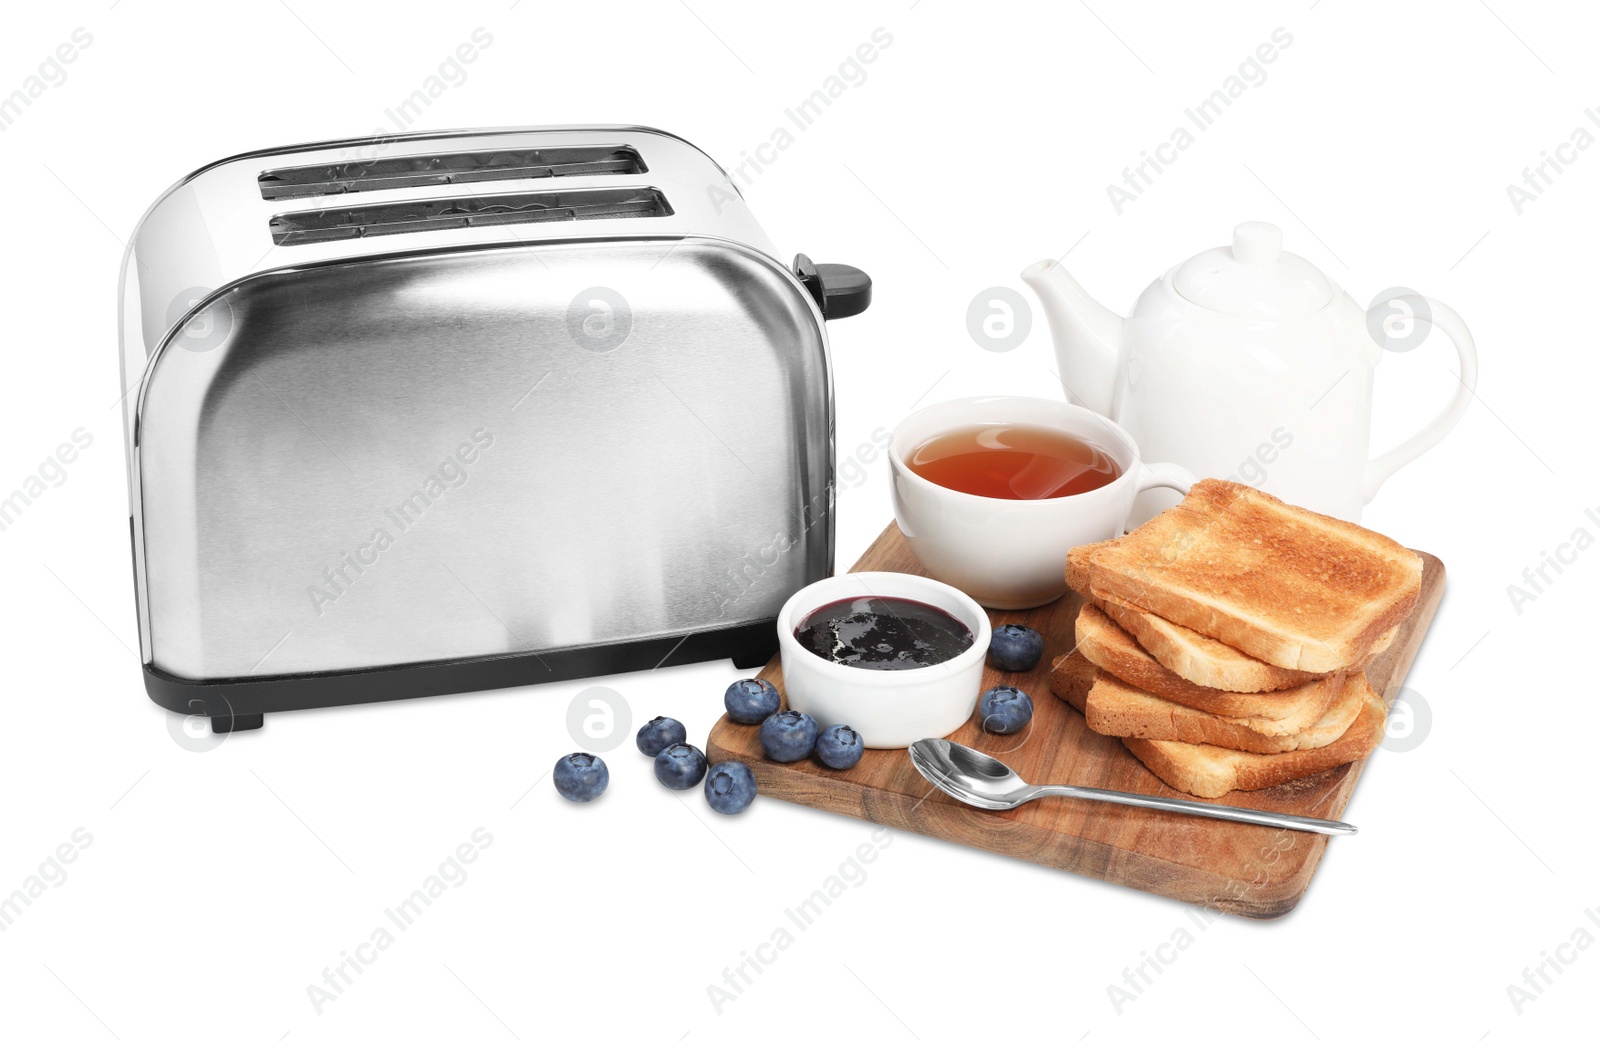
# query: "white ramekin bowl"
{"type": "Point", "coordinates": [888, 709]}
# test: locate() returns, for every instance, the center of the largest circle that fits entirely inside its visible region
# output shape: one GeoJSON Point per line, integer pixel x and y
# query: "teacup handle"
{"type": "Point", "coordinates": [1448, 322]}
{"type": "Point", "coordinates": [1165, 475]}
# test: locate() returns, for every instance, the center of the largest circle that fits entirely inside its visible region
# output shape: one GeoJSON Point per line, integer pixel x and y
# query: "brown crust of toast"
{"type": "Point", "coordinates": [1077, 567]}
{"type": "Point", "coordinates": [1198, 658]}
{"type": "Point", "coordinates": [1210, 772]}
{"type": "Point", "coordinates": [1071, 676]}
{"type": "Point", "coordinates": [1285, 585]}
{"type": "Point", "coordinates": [1113, 649]}
{"type": "Point", "coordinates": [1118, 709]}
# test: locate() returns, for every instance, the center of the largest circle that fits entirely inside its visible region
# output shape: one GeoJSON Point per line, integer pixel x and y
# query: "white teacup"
{"type": "Point", "coordinates": [1011, 554]}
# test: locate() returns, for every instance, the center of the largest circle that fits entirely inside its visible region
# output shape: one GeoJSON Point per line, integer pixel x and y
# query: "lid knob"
{"type": "Point", "coordinates": [1257, 242]}
{"type": "Point", "coordinates": [1253, 278]}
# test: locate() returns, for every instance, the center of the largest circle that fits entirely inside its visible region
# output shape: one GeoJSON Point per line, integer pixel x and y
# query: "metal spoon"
{"type": "Point", "coordinates": [969, 776]}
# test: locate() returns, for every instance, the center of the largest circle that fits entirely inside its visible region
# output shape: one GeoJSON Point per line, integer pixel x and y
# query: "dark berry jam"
{"type": "Point", "coordinates": [884, 633]}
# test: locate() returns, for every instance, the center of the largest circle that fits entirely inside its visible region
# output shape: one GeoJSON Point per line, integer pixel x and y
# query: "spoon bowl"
{"type": "Point", "coordinates": [969, 775]}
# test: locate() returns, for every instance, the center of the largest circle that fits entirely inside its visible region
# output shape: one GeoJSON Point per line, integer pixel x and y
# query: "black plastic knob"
{"type": "Point", "coordinates": [839, 289]}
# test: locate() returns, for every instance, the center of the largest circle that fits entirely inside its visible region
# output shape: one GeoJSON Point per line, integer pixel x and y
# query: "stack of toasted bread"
{"type": "Point", "coordinates": [1226, 640]}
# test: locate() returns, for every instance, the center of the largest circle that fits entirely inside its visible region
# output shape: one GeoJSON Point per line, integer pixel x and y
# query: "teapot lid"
{"type": "Point", "coordinates": [1254, 278]}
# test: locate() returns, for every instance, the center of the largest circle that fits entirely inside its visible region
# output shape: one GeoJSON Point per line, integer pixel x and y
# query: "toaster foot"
{"type": "Point", "coordinates": [757, 658]}
{"type": "Point", "coordinates": [229, 722]}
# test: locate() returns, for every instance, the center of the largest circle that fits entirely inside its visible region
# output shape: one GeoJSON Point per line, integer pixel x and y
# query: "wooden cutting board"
{"type": "Point", "coordinates": [1239, 868]}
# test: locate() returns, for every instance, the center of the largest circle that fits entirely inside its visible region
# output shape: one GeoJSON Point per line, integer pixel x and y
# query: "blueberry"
{"type": "Point", "coordinates": [1004, 710]}
{"type": "Point", "coordinates": [1015, 648]}
{"type": "Point", "coordinates": [659, 733]}
{"type": "Point", "coordinates": [788, 737]}
{"type": "Point", "coordinates": [750, 701]}
{"type": "Point", "coordinates": [680, 766]}
{"type": "Point", "coordinates": [730, 787]}
{"type": "Point", "coordinates": [839, 747]}
{"type": "Point", "coordinates": [581, 777]}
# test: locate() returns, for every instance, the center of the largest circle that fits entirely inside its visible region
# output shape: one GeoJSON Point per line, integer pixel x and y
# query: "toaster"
{"type": "Point", "coordinates": [457, 411]}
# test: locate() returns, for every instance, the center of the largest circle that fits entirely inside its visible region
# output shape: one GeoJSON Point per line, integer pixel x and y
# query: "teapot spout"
{"type": "Point", "coordinates": [1087, 335]}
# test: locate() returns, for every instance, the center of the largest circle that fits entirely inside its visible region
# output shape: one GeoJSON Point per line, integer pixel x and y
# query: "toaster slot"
{"type": "Point", "coordinates": [398, 218]}
{"type": "Point", "coordinates": [300, 182]}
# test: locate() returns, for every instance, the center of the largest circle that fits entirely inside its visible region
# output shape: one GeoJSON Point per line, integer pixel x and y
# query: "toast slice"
{"type": "Point", "coordinates": [1114, 650]}
{"type": "Point", "coordinates": [1071, 677]}
{"type": "Point", "coordinates": [1284, 585]}
{"type": "Point", "coordinates": [1118, 709]}
{"type": "Point", "coordinates": [1210, 772]}
{"type": "Point", "coordinates": [1200, 659]}
{"type": "Point", "coordinates": [1207, 662]}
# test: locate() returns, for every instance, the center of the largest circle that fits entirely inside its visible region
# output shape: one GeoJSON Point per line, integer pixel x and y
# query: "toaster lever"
{"type": "Point", "coordinates": [839, 289]}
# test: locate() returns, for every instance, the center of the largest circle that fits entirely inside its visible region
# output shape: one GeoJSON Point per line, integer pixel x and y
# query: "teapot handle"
{"type": "Point", "coordinates": [1384, 466]}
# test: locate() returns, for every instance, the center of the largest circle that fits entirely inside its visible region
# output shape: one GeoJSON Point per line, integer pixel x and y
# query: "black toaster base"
{"type": "Point", "coordinates": [239, 704]}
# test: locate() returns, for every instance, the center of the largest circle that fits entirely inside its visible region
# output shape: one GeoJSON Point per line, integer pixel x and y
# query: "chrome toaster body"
{"type": "Point", "coordinates": [468, 410]}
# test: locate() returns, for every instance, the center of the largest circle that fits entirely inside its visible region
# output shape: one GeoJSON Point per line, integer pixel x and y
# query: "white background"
{"type": "Point", "coordinates": [219, 885]}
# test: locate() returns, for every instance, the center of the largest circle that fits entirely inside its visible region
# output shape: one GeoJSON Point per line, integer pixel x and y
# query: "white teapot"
{"type": "Point", "coordinates": [1248, 363]}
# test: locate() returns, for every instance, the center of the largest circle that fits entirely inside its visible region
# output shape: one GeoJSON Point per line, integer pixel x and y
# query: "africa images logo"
{"type": "Point", "coordinates": [52, 72]}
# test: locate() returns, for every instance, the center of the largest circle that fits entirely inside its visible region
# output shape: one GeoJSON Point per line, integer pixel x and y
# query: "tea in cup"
{"type": "Point", "coordinates": [992, 492]}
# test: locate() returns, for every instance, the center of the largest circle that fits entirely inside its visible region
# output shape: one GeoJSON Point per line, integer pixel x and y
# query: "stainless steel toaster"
{"type": "Point", "coordinates": [455, 411]}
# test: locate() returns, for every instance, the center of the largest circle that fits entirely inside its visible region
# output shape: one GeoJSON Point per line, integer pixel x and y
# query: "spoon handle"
{"type": "Point", "coordinates": [1201, 809]}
